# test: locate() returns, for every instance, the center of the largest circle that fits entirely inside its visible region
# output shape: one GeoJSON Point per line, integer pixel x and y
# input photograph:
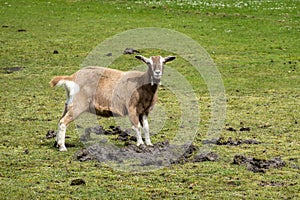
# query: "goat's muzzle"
{"type": "Point", "coordinates": [157, 74]}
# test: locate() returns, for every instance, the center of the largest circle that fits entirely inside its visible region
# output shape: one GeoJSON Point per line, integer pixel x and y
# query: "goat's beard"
{"type": "Point", "coordinates": [155, 79]}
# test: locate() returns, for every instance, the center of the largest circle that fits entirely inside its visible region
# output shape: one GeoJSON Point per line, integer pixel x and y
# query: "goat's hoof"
{"type": "Point", "coordinates": [62, 148]}
{"type": "Point", "coordinates": [139, 144]}
{"type": "Point", "coordinates": [149, 144]}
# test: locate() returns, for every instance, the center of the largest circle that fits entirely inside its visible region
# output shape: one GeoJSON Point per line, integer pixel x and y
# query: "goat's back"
{"type": "Point", "coordinates": [108, 90]}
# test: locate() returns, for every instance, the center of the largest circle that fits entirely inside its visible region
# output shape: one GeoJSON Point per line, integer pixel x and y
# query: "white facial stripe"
{"type": "Point", "coordinates": [150, 61]}
{"type": "Point", "coordinates": [162, 60]}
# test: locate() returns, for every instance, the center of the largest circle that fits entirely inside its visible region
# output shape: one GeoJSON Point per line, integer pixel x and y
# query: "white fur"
{"type": "Point", "coordinates": [60, 137]}
{"type": "Point", "coordinates": [146, 130]}
{"type": "Point", "coordinates": [138, 134]}
{"type": "Point", "coordinates": [162, 60]}
{"type": "Point", "coordinates": [71, 89]}
{"type": "Point", "coordinates": [151, 63]}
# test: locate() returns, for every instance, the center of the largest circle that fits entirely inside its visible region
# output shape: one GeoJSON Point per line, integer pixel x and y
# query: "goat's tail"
{"type": "Point", "coordinates": [59, 80]}
{"type": "Point", "coordinates": [67, 82]}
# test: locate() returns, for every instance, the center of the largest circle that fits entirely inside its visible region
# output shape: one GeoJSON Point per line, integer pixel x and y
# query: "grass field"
{"type": "Point", "coordinates": [255, 45]}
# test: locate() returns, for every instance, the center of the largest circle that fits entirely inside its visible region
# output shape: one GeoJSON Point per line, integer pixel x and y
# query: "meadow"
{"type": "Point", "coordinates": [255, 46]}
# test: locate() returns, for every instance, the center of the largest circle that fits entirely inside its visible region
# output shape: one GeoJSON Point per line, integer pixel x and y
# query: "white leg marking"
{"type": "Point", "coordinates": [138, 135]}
{"type": "Point", "coordinates": [146, 130]}
{"type": "Point", "coordinates": [60, 137]}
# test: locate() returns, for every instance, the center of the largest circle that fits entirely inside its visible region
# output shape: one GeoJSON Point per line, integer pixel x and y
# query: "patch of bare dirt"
{"type": "Point", "coordinates": [258, 165]}
{"type": "Point", "coordinates": [122, 135]}
{"type": "Point", "coordinates": [9, 70]}
{"type": "Point", "coordinates": [231, 142]}
{"type": "Point", "coordinates": [160, 154]}
{"type": "Point", "coordinates": [130, 51]}
{"type": "Point", "coordinates": [276, 184]}
{"type": "Point", "coordinates": [77, 181]}
{"type": "Point", "coordinates": [50, 134]}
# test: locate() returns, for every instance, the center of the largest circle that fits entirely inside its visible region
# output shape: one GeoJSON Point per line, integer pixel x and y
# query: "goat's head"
{"type": "Point", "coordinates": [155, 65]}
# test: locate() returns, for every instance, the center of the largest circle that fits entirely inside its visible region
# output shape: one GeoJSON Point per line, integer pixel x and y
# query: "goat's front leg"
{"type": "Point", "coordinates": [138, 134]}
{"type": "Point", "coordinates": [136, 125]}
{"type": "Point", "coordinates": [146, 130]}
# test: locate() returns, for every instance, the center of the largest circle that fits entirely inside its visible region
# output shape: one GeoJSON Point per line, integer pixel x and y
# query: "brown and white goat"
{"type": "Point", "coordinates": [108, 92]}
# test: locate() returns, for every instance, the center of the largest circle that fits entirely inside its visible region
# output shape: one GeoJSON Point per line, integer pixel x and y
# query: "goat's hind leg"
{"type": "Point", "coordinates": [65, 119]}
{"type": "Point", "coordinates": [62, 128]}
{"type": "Point", "coordinates": [68, 115]}
{"type": "Point", "coordinates": [61, 132]}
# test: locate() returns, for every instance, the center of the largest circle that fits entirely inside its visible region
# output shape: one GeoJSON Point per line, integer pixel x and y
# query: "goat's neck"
{"type": "Point", "coordinates": [150, 84]}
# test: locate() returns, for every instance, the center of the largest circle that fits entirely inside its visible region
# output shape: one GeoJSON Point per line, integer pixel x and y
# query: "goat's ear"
{"type": "Point", "coordinates": [169, 58]}
{"type": "Point", "coordinates": [142, 58]}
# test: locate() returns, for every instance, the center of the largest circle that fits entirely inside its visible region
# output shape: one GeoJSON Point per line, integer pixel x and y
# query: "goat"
{"type": "Point", "coordinates": [109, 92]}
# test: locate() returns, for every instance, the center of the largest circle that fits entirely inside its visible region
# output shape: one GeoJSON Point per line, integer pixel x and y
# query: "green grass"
{"type": "Point", "coordinates": [255, 46]}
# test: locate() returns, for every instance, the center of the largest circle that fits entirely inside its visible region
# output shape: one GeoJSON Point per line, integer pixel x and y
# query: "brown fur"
{"type": "Point", "coordinates": [109, 92]}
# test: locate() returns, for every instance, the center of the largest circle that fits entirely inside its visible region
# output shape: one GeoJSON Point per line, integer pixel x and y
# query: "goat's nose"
{"type": "Point", "coordinates": [157, 72]}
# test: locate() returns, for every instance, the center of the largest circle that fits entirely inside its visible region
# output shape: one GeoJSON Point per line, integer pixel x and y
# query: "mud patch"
{"type": "Point", "coordinates": [78, 181]}
{"type": "Point", "coordinates": [158, 155]}
{"type": "Point", "coordinates": [68, 145]}
{"type": "Point", "coordinates": [9, 70]}
{"type": "Point", "coordinates": [231, 142]}
{"type": "Point", "coordinates": [122, 135]}
{"type": "Point", "coordinates": [258, 165]}
{"type": "Point", "coordinates": [202, 157]}
{"type": "Point", "coordinates": [21, 30]}
{"type": "Point", "coordinates": [130, 51]}
{"type": "Point", "coordinates": [132, 157]}
{"type": "Point", "coordinates": [50, 134]}
{"type": "Point", "coordinates": [241, 129]}
{"type": "Point", "coordinates": [276, 184]}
